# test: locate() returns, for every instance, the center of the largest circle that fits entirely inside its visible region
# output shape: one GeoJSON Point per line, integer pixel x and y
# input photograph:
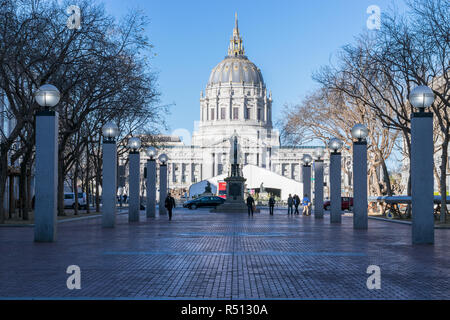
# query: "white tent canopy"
{"type": "Point", "coordinates": [255, 176]}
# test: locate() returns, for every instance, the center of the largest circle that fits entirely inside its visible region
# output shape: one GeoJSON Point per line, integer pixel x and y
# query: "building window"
{"type": "Point", "coordinates": [247, 113]}
{"type": "Point", "coordinates": [222, 113]}
{"type": "Point", "coordinates": [212, 114]}
{"type": "Point", "coordinates": [235, 113]}
{"type": "Point", "coordinates": [259, 114]}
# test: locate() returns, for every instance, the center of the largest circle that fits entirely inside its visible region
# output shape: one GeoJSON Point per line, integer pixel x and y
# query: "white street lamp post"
{"type": "Point", "coordinates": [318, 183]}
{"type": "Point", "coordinates": [134, 174]}
{"type": "Point", "coordinates": [151, 183]}
{"type": "Point", "coordinates": [335, 146]}
{"type": "Point", "coordinates": [422, 152]}
{"type": "Point", "coordinates": [360, 218]}
{"type": "Point", "coordinates": [109, 175]}
{"type": "Point", "coordinates": [162, 183]}
{"type": "Point", "coordinates": [46, 169]}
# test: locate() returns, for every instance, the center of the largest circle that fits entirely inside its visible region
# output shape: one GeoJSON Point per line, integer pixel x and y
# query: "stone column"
{"type": "Point", "coordinates": [307, 180]}
{"type": "Point", "coordinates": [162, 188]}
{"type": "Point", "coordinates": [109, 184]}
{"type": "Point", "coordinates": [192, 172]}
{"type": "Point", "coordinates": [46, 175]}
{"type": "Point", "coordinates": [212, 164]}
{"type": "Point", "coordinates": [133, 183]}
{"type": "Point", "coordinates": [216, 163]}
{"type": "Point", "coordinates": [335, 187]}
{"type": "Point", "coordinates": [422, 178]}
{"type": "Point", "coordinates": [360, 219]}
{"type": "Point", "coordinates": [174, 172]}
{"type": "Point", "coordinates": [151, 188]}
{"type": "Point", "coordinates": [318, 189]}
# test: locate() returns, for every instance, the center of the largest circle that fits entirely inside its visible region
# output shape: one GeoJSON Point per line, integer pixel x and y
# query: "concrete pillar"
{"type": "Point", "coordinates": [422, 178]}
{"type": "Point", "coordinates": [162, 188]}
{"type": "Point", "coordinates": [212, 165]}
{"type": "Point", "coordinates": [307, 180]}
{"type": "Point", "coordinates": [46, 173]}
{"type": "Point", "coordinates": [109, 184]}
{"type": "Point", "coordinates": [151, 188]}
{"type": "Point", "coordinates": [216, 164]}
{"type": "Point", "coordinates": [133, 183]}
{"type": "Point", "coordinates": [335, 187]}
{"type": "Point", "coordinates": [360, 219]}
{"type": "Point", "coordinates": [318, 189]}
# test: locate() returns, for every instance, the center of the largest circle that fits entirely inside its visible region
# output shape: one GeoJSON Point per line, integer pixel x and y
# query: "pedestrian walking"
{"type": "Point", "coordinates": [250, 204]}
{"type": "Point", "coordinates": [296, 203]}
{"type": "Point", "coordinates": [306, 205]}
{"type": "Point", "coordinates": [290, 203]}
{"type": "Point", "coordinates": [169, 203]}
{"type": "Point", "coordinates": [271, 204]}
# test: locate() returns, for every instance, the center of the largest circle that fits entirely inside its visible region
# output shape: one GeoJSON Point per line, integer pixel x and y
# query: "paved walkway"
{"type": "Point", "coordinates": [201, 255]}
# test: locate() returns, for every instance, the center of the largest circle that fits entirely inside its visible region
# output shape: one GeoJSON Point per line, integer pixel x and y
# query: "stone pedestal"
{"type": "Point", "coordinates": [422, 178]}
{"type": "Point", "coordinates": [335, 188]}
{"type": "Point", "coordinates": [133, 182]}
{"type": "Point", "coordinates": [360, 218]}
{"type": "Point", "coordinates": [151, 188]}
{"type": "Point", "coordinates": [235, 196]}
{"type": "Point", "coordinates": [109, 184]}
{"type": "Point", "coordinates": [46, 175]}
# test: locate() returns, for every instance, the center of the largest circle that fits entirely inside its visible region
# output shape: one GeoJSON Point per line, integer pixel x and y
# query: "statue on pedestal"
{"type": "Point", "coordinates": [235, 183]}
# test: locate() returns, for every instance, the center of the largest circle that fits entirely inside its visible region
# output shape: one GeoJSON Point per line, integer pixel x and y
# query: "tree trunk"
{"type": "Point", "coordinates": [443, 182]}
{"type": "Point", "coordinates": [23, 189]}
{"type": "Point", "coordinates": [3, 177]}
{"type": "Point", "coordinates": [28, 203]}
{"type": "Point", "coordinates": [386, 179]}
{"type": "Point", "coordinates": [12, 200]}
{"type": "Point", "coordinates": [60, 185]}
{"type": "Point", "coordinates": [75, 188]}
{"type": "Point", "coordinates": [97, 193]}
{"type": "Point", "coordinates": [86, 183]}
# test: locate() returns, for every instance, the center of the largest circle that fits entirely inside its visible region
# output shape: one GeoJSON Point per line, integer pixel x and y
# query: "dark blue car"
{"type": "Point", "coordinates": [209, 201]}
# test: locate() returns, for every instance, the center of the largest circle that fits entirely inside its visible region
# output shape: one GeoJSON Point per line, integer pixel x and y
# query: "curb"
{"type": "Point", "coordinates": [60, 221]}
{"type": "Point", "coordinates": [405, 222]}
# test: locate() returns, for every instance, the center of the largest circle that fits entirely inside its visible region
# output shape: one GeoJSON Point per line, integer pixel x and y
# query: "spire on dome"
{"type": "Point", "coordinates": [236, 47]}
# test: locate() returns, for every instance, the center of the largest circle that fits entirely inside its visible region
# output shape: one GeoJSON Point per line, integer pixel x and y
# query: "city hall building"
{"type": "Point", "coordinates": [235, 101]}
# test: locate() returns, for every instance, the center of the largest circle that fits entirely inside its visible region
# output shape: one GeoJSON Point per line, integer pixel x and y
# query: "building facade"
{"type": "Point", "coordinates": [234, 102]}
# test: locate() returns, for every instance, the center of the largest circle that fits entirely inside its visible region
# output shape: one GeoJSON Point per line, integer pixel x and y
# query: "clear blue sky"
{"type": "Point", "coordinates": [287, 40]}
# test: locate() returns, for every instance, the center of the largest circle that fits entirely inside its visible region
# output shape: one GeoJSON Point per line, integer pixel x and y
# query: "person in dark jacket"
{"type": "Point", "coordinates": [250, 203]}
{"type": "Point", "coordinates": [296, 203]}
{"type": "Point", "coordinates": [169, 203]}
{"type": "Point", "coordinates": [271, 204]}
{"type": "Point", "coordinates": [290, 203]}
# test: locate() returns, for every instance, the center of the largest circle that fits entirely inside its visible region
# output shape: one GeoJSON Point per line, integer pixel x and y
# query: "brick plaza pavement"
{"type": "Point", "coordinates": [202, 255]}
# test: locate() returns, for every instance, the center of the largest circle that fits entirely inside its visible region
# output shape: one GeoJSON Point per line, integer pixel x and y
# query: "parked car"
{"type": "Point", "coordinates": [346, 204]}
{"type": "Point", "coordinates": [209, 201]}
{"type": "Point", "coordinates": [69, 200]}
